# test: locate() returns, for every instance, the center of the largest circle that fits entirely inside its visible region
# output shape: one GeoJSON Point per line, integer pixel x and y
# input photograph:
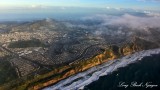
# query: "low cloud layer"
{"type": "Point", "coordinates": [136, 22]}
{"type": "Point", "coordinates": [128, 20]}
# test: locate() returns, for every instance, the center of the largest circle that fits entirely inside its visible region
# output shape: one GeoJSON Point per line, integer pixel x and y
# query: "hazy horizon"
{"type": "Point", "coordinates": [15, 10]}
{"type": "Point", "coordinates": [30, 4]}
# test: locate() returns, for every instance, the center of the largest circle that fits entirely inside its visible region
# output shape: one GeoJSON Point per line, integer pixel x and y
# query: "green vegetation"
{"type": "Point", "coordinates": [7, 72]}
{"type": "Point", "coordinates": [28, 43]}
{"type": "Point", "coordinates": [56, 74]}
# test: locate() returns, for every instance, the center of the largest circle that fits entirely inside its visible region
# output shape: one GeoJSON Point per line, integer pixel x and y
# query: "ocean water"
{"type": "Point", "coordinates": [61, 13]}
{"type": "Point", "coordinates": [136, 76]}
{"type": "Point", "coordinates": [38, 16]}
{"type": "Point", "coordinates": [140, 67]}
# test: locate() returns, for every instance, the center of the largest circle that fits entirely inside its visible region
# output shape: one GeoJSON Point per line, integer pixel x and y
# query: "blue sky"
{"type": "Point", "coordinates": [69, 9]}
{"type": "Point", "coordinates": [134, 4]}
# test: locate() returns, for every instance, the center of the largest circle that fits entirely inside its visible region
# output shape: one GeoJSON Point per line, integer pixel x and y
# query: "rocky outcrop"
{"type": "Point", "coordinates": [109, 54]}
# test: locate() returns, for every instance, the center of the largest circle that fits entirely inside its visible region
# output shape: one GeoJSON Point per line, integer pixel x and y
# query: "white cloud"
{"type": "Point", "coordinates": [37, 6]}
{"type": "Point", "coordinates": [136, 22]}
{"type": "Point", "coordinates": [128, 20]}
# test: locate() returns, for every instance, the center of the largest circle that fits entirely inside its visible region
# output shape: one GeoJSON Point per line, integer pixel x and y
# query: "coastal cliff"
{"type": "Point", "coordinates": [110, 53]}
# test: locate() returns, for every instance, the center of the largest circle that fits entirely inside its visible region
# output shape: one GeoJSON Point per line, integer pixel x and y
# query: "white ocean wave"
{"type": "Point", "coordinates": [80, 80]}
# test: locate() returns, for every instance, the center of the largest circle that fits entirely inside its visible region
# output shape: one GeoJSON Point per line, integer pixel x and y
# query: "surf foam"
{"type": "Point", "coordinates": [80, 80]}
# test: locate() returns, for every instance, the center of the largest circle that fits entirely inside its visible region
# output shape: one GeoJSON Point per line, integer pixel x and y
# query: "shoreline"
{"type": "Point", "coordinates": [117, 63]}
{"type": "Point", "coordinates": [64, 72]}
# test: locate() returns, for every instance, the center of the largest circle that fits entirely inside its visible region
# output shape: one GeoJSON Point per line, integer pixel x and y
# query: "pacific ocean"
{"type": "Point", "coordinates": [142, 75]}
